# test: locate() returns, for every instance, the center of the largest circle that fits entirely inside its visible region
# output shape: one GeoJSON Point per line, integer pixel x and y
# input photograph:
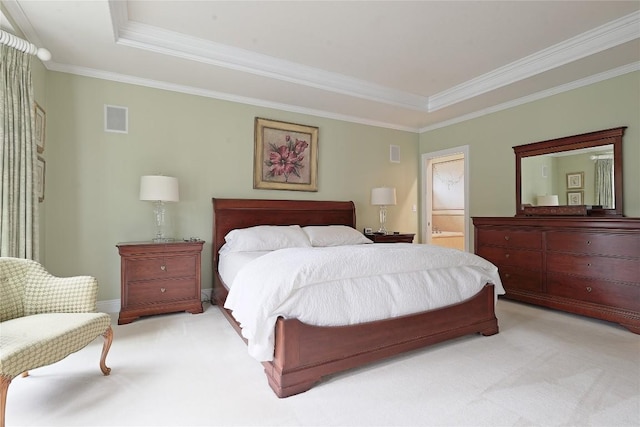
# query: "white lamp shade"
{"type": "Point", "coordinates": [383, 196]}
{"type": "Point", "coordinates": [548, 200]}
{"type": "Point", "coordinates": [156, 187]}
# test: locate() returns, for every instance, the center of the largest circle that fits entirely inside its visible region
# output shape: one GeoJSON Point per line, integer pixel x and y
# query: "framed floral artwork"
{"type": "Point", "coordinates": [285, 156]}
{"type": "Point", "coordinates": [40, 174]}
{"type": "Point", "coordinates": [40, 127]}
{"type": "Point", "coordinates": [575, 180]}
{"type": "Point", "coordinates": [574, 198]}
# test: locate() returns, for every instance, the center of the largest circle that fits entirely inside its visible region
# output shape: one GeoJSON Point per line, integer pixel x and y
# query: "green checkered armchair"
{"type": "Point", "coordinates": [43, 319]}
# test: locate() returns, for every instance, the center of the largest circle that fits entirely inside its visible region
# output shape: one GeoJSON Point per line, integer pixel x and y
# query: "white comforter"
{"type": "Point", "coordinates": [345, 285]}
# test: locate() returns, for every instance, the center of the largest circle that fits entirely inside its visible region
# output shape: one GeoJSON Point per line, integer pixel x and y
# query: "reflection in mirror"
{"type": "Point", "coordinates": [577, 177]}
{"type": "Point", "coordinates": [573, 175]}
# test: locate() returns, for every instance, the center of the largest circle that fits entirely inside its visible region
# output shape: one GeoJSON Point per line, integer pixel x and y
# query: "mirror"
{"type": "Point", "coordinates": [580, 173]}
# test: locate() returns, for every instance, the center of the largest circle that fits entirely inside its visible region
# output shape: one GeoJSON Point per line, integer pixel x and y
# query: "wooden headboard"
{"type": "Point", "coordinates": [229, 214]}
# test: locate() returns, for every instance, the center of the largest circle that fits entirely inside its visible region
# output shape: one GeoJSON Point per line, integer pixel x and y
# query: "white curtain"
{"type": "Point", "coordinates": [18, 156]}
{"type": "Point", "coordinates": [604, 183]}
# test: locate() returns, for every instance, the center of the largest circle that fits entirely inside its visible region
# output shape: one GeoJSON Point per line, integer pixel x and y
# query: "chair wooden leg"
{"type": "Point", "coordinates": [108, 338]}
{"type": "Point", "coordinates": [4, 386]}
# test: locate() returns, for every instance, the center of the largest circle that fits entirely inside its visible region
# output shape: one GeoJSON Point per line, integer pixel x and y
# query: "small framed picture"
{"type": "Point", "coordinates": [575, 180]}
{"type": "Point", "coordinates": [40, 174]}
{"type": "Point", "coordinates": [574, 198]}
{"type": "Point", "coordinates": [41, 123]}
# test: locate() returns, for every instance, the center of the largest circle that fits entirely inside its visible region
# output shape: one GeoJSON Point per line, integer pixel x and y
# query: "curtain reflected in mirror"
{"type": "Point", "coordinates": [604, 183]}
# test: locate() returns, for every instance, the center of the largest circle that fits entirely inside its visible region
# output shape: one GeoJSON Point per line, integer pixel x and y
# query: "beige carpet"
{"type": "Point", "coordinates": [545, 368]}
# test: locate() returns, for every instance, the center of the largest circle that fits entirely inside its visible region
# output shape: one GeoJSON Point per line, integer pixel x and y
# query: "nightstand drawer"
{"type": "Point", "coordinates": [161, 267]}
{"type": "Point", "coordinates": [160, 291]}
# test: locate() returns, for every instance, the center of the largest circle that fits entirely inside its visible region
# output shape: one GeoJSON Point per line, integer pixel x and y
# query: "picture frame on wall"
{"type": "Point", "coordinates": [575, 180]}
{"type": "Point", "coordinates": [41, 166]}
{"type": "Point", "coordinates": [574, 198]}
{"type": "Point", "coordinates": [285, 156]}
{"type": "Point", "coordinates": [41, 124]}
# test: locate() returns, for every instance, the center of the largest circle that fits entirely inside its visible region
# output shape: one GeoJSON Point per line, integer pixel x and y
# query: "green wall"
{"type": "Point", "coordinates": [607, 104]}
{"type": "Point", "coordinates": [91, 196]}
{"type": "Point", "coordinates": [92, 177]}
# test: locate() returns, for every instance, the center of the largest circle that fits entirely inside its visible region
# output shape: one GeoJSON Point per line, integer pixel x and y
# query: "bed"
{"type": "Point", "coordinates": [304, 353]}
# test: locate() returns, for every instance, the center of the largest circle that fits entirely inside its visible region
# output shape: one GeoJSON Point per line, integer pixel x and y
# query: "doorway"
{"type": "Point", "coordinates": [445, 217]}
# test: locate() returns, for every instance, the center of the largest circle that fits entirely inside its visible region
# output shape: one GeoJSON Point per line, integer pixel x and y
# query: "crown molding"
{"type": "Point", "coordinates": [142, 36]}
{"type": "Point", "coordinates": [596, 40]}
{"type": "Point", "coordinates": [190, 90]}
{"type": "Point", "coordinates": [606, 75]}
{"type": "Point", "coordinates": [154, 39]}
{"type": "Point", "coordinates": [20, 19]}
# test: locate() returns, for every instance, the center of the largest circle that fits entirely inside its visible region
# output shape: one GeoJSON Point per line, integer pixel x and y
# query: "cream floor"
{"type": "Point", "coordinates": [544, 368]}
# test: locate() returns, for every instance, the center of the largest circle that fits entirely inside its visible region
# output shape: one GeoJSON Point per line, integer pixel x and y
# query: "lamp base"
{"type": "Point", "coordinates": [383, 220]}
{"type": "Point", "coordinates": [163, 240]}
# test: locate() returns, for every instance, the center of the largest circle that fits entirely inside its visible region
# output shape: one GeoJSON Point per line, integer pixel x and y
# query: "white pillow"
{"type": "Point", "coordinates": [334, 235]}
{"type": "Point", "coordinates": [265, 238]}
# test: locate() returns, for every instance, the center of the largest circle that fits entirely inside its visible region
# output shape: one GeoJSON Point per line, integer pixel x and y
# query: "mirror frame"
{"type": "Point", "coordinates": [586, 140]}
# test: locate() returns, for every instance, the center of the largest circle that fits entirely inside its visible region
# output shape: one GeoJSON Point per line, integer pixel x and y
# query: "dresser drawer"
{"type": "Point", "coordinates": [621, 269]}
{"type": "Point", "coordinates": [161, 267]}
{"type": "Point", "coordinates": [511, 257]}
{"type": "Point", "coordinates": [159, 291]}
{"type": "Point", "coordinates": [611, 294]}
{"type": "Point", "coordinates": [626, 245]}
{"type": "Point", "coordinates": [509, 238]}
{"type": "Point", "coordinates": [518, 278]}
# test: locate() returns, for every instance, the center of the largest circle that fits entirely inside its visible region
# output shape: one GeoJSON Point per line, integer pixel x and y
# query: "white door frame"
{"type": "Point", "coordinates": [425, 167]}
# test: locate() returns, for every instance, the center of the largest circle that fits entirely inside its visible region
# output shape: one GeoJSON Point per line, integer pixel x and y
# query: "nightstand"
{"type": "Point", "coordinates": [159, 278]}
{"type": "Point", "coordinates": [390, 238]}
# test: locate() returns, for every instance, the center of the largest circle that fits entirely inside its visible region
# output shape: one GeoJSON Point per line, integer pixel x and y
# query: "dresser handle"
{"type": "Point", "coordinates": [588, 264]}
{"type": "Point", "coordinates": [506, 255]}
{"type": "Point", "coordinates": [507, 275]}
{"type": "Point", "coordinates": [588, 288]}
{"type": "Point", "coordinates": [588, 242]}
{"type": "Point", "coordinates": [163, 267]}
{"type": "Point", "coordinates": [506, 237]}
{"type": "Point", "coordinates": [163, 290]}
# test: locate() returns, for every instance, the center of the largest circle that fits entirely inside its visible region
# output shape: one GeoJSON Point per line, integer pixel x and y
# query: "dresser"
{"type": "Point", "coordinates": [391, 238]}
{"type": "Point", "coordinates": [584, 265]}
{"type": "Point", "coordinates": [159, 278]}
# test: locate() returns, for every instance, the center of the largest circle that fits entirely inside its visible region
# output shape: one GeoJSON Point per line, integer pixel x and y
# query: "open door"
{"type": "Point", "coordinates": [445, 220]}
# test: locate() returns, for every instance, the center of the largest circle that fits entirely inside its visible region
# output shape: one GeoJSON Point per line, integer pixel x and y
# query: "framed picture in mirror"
{"type": "Point", "coordinates": [574, 198]}
{"type": "Point", "coordinates": [575, 180]}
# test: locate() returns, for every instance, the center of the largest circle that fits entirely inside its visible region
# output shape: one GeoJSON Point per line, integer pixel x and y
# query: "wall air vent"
{"type": "Point", "coordinates": [394, 153]}
{"type": "Point", "coordinates": [116, 119]}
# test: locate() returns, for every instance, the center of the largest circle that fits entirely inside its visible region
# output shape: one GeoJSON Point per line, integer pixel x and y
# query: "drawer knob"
{"type": "Point", "coordinates": [507, 275]}
{"type": "Point", "coordinates": [163, 267]}
{"type": "Point", "coordinates": [506, 237]}
{"type": "Point", "coordinates": [506, 255]}
{"type": "Point", "coordinates": [588, 242]}
{"type": "Point", "coordinates": [588, 288]}
{"type": "Point", "coordinates": [163, 290]}
{"type": "Point", "coordinates": [588, 264]}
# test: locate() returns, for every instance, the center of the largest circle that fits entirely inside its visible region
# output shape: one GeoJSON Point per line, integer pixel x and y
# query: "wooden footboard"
{"type": "Point", "coordinates": [305, 353]}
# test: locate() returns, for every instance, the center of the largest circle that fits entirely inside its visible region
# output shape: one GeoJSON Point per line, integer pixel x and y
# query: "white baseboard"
{"type": "Point", "coordinates": [113, 305]}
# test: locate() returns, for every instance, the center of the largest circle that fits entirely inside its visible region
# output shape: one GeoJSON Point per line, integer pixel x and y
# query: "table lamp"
{"type": "Point", "coordinates": [383, 197]}
{"type": "Point", "coordinates": [159, 189]}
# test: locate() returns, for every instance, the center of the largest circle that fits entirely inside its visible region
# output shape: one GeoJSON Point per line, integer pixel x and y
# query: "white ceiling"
{"type": "Point", "coordinates": [405, 65]}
